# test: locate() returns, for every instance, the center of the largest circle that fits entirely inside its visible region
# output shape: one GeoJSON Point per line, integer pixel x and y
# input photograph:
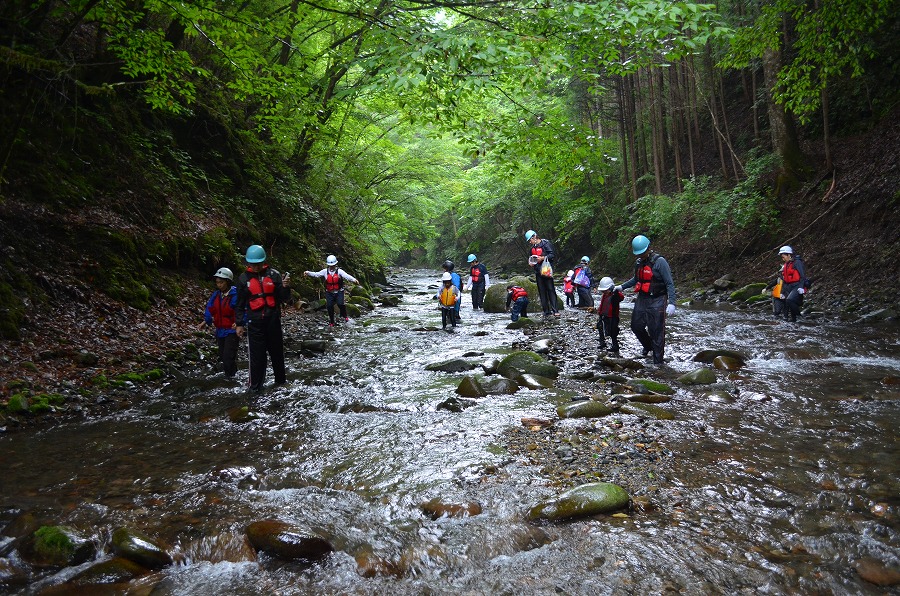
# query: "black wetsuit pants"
{"type": "Point", "coordinates": [648, 322]}
{"type": "Point", "coordinates": [266, 339]}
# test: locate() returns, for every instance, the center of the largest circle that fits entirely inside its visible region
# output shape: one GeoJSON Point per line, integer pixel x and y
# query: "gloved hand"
{"type": "Point", "coordinates": [801, 291]}
{"type": "Point", "coordinates": [670, 310]}
{"type": "Point", "coordinates": [617, 289]}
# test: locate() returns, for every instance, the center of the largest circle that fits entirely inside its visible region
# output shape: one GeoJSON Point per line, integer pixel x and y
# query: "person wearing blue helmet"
{"type": "Point", "coordinates": [541, 258]}
{"type": "Point", "coordinates": [478, 281]}
{"type": "Point", "coordinates": [655, 300]}
{"type": "Point", "coordinates": [261, 292]}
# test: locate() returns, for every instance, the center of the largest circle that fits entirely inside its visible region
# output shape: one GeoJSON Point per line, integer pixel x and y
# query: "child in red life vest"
{"type": "Point", "coordinates": [608, 323]}
{"type": "Point", "coordinates": [334, 287]}
{"type": "Point", "coordinates": [448, 297]}
{"type": "Point", "coordinates": [569, 288]}
{"type": "Point", "coordinates": [220, 312]}
{"type": "Point", "coordinates": [518, 297]}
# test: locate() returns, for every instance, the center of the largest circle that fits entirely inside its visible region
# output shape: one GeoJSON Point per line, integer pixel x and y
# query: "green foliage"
{"type": "Point", "coordinates": [137, 378]}
{"type": "Point", "coordinates": [18, 403]}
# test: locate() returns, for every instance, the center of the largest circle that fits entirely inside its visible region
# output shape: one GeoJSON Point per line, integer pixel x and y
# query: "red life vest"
{"type": "Point", "coordinates": [607, 308]}
{"type": "Point", "coordinates": [333, 281]}
{"type": "Point", "coordinates": [647, 283]}
{"type": "Point", "coordinates": [262, 292]}
{"type": "Point", "coordinates": [537, 250]}
{"type": "Point", "coordinates": [789, 273]}
{"type": "Point", "coordinates": [221, 311]}
{"type": "Point", "coordinates": [475, 272]}
{"type": "Point", "coordinates": [518, 292]}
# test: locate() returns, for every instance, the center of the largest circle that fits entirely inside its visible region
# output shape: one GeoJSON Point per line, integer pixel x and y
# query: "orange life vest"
{"type": "Point", "coordinates": [448, 298]}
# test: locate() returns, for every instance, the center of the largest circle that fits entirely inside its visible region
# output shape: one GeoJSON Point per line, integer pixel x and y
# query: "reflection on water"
{"type": "Point", "coordinates": [780, 489]}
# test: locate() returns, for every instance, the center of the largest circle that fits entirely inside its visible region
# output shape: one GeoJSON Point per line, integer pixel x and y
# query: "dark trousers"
{"type": "Point", "coordinates": [570, 298]}
{"type": "Point", "coordinates": [546, 293]}
{"type": "Point", "coordinates": [792, 303]}
{"type": "Point", "coordinates": [519, 308]}
{"type": "Point", "coordinates": [332, 298]}
{"type": "Point", "coordinates": [228, 347]}
{"type": "Point", "coordinates": [448, 315]}
{"type": "Point", "coordinates": [584, 297]}
{"type": "Point", "coordinates": [648, 322]}
{"type": "Point", "coordinates": [478, 295]}
{"type": "Point", "coordinates": [266, 338]}
{"type": "Point", "coordinates": [609, 327]}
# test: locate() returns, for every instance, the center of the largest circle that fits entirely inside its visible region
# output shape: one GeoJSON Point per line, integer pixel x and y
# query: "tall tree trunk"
{"type": "Point", "coordinates": [826, 129]}
{"type": "Point", "coordinates": [781, 127]}
{"type": "Point", "coordinates": [655, 134]}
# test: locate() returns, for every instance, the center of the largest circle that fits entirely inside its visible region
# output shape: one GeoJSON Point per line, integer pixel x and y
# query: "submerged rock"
{"type": "Point", "coordinates": [140, 548]}
{"type": "Point", "coordinates": [528, 363]}
{"type": "Point", "coordinates": [456, 404]}
{"type": "Point", "coordinates": [652, 386]}
{"type": "Point", "coordinates": [453, 366]}
{"type": "Point", "coordinates": [878, 572]}
{"type": "Point", "coordinates": [582, 501]}
{"type": "Point", "coordinates": [437, 508]}
{"type": "Point", "coordinates": [727, 363]}
{"type": "Point", "coordinates": [287, 541]}
{"type": "Point", "coordinates": [644, 410]}
{"type": "Point", "coordinates": [470, 387]}
{"type": "Point", "coordinates": [584, 409]}
{"type": "Point", "coordinates": [499, 386]}
{"type": "Point", "coordinates": [57, 546]}
{"type": "Point", "coordinates": [112, 571]}
{"type": "Point", "coordinates": [701, 376]}
{"type": "Point", "coordinates": [709, 356]}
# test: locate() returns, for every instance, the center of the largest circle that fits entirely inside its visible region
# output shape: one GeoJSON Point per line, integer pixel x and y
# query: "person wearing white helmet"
{"type": "Point", "coordinates": [219, 312]}
{"type": "Point", "coordinates": [608, 311]}
{"type": "Point", "coordinates": [541, 257]}
{"type": "Point", "coordinates": [654, 287]}
{"type": "Point", "coordinates": [569, 288]}
{"type": "Point", "coordinates": [334, 287]}
{"type": "Point", "coordinates": [582, 280]}
{"type": "Point", "coordinates": [448, 298]}
{"type": "Point", "coordinates": [261, 293]}
{"type": "Point", "coordinates": [478, 281]}
{"type": "Point", "coordinates": [793, 285]}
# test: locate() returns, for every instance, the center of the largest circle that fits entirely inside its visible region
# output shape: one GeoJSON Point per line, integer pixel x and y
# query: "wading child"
{"type": "Point", "coordinates": [608, 323]}
{"type": "Point", "coordinates": [518, 297]}
{"type": "Point", "coordinates": [569, 288]}
{"type": "Point", "coordinates": [220, 312]}
{"type": "Point", "coordinates": [448, 297]}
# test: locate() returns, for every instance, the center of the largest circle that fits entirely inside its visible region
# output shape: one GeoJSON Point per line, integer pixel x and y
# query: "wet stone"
{"type": "Point", "coordinates": [584, 409]}
{"type": "Point", "coordinates": [112, 571]}
{"type": "Point", "coordinates": [499, 386]}
{"type": "Point", "coordinates": [646, 410]}
{"type": "Point", "coordinates": [287, 541]}
{"type": "Point", "coordinates": [727, 363]}
{"type": "Point", "coordinates": [453, 366]}
{"type": "Point", "coordinates": [535, 381]}
{"type": "Point", "coordinates": [437, 508]}
{"type": "Point", "coordinates": [701, 376]}
{"type": "Point", "coordinates": [456, 404]}
{"type": "Point", "coordinates": [878, 572]}
{"type": "Point", "coordinates": [582, 501]}
{"type": "Point", "coordinates": [470, 387]}
{"type": "Point", "coordinates": [140, 548]}
{"type": "Point", "coordinates": [708, 356]}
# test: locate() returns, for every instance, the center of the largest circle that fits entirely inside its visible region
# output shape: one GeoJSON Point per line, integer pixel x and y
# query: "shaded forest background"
{"type": "Point", "coordinates": [144, 144]}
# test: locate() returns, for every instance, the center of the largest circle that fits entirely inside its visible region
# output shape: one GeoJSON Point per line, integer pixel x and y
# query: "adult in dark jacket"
{"type": "Point", "coordinates": [541, 251]}
{"type": "Point", "coordinates": [261, 292]}
{"type": "Point", "coordinates": [654, 288]}
{"type": "Point", "coordinates": [794, 283]}
{"type": "Point", "coordinates": [583, 280]}
{"type": "Point", "coordinates": [478, 281]}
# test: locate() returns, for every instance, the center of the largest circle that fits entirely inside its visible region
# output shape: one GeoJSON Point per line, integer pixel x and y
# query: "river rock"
{"type": "Point", "coordinates": [318, 346]}
{"type": "Point", "coordinates": [454, 365]}
{"type": "Point", "coordinates": [727, 363]}
{"type": "Point", "coordinates": [701, 376]}
{"type": "Point", "coordinates": [362, 302]}
{"type": "Point", "coordinates": [456, 404]}
{"type": "Point", "coordinates": [877, 316]}
{"type": "Point", "coordinates": [651, 386]}
{"type": "Point", "coordinates": [499, 386]}
{"type": "Point", "coordinates": [646, 410]}
{"type": "Point", "coordinates": [353, 311]}
{"type": "Point", "coordinates": [877, 572]}
{"type": "Point", "coordinates": [437, 508]}
{"type": "Point", "coordinates": [470, 387]}
{"type": "Point", "coordinates": [495, 296]}
{"type": "Point", "coordinates": [522, 322]}
{"type": "Point", "coordinates": [541, 346]}
{"type": "Point", "coordinates": [111, 571]}
{"type": "Point", "coordinates": [140, 548]}
{"type": "Point", "coordinates": [720, 396]}
{"type": "Point", "coordinates": [644, 398]}
{"type": "Point", "coordinates": [490, 366]}
{"type": "Point", "coordinates": [535, 381]}
{"type": "Point", "coordinates": [747, 291]}
{"type": "Point", "coordinates": [389, 299]}
{"type": "Point", "coordinates": [582, 501]}
{"type": "Point", "coordinates": [529, 363]}
{"type": "Point", "coordinates": [584, 409]}
{"type": "Point", "coordinates": [725, 282]}
{"type": "Point", "coordinates": [610, 378]}
{"type": "Point", "coordinates": [287, 541]}
{"type": "Point", "coordinates": [621, 363]}
{"type": "Point", "coordinates": [709, 356]}
{"type": "Point", "coordinates": [57, 546]}
{"type": "Point", "coordinates": [371, 565]}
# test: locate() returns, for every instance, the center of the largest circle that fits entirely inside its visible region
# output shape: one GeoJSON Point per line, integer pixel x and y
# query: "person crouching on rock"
{"type": "Point", "coordinates": [448, 297]}
{"type": "Point", "coordinates": [518, 297]}
{"type": "Point", "coordinates": [334, 287]}
{"type": "Point", "coordinates": [220, 312]}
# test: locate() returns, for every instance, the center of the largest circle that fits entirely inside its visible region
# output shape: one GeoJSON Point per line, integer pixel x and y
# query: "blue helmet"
{"type": "Point", "coordinates": [256, 254]}
{"type": "Point", "coordinates": [529, 235]}
{"type": "Point", "coordinates": [585, 260]}
{"type": "Point", "coordinates": [471, 258]}
{"type": "Point", "coordinates": [640, 244]}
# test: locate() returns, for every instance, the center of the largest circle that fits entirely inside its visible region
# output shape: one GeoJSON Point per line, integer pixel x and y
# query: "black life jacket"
{"type": "Point", "coordinates": [333, 281]}
{"type": "Point", "coordinates": [221, 311]}
{"type": "Point", "coordinates": [647, 281]}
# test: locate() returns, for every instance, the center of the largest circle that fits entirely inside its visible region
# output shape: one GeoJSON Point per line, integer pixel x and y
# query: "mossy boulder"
{"type": "Point", "coordinates": [499, 386]}
{"type": "Point", "coordinates": [701, 376]}
{"type": "Point", "coordinates": [353, 311]}
{"type": "Point", "coordinates": [287, 541]}
{"type": "Point", "coordinates": [453, 365]}
{"type": "Point", "coordinates": [58, 546]}
{"type": "Point", "coordinates": [646, 411]}
{"type": "Point", "coordinates": [747, 292]}
{"type": "Point", "coordinates": [363, 302]}
{"type": "Point", "coordinates": [652, 386]}
{"type": "Point", "coordinates": [140, 548]}
{"type": "Point", "coordinates": [528, 363]}
{"type": "Point", "coordinates": [390, 299]}
{"type": "Point", "coordinates": [584, 409]}
{"type": "Point", "coordinates": [470, 387]}
{"type": "Point", "coordinates": [18, 403]}
{"type": "Point", "coordinates": [521, 323]}
{"type": "Point", "coordinates": [582, 501]}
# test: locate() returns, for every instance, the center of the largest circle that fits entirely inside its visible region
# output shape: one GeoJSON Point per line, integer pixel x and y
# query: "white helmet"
{"type": "Point", "coordinates": [606, 283]}
{"type": "Point", "coordinates": [447, 277]}
{"type": "Point", "coordinates": [224, 273]}
{"type": "Point", "coordinates": [331, 261]}
{"type": "Point", "coordinates": [785, 250]}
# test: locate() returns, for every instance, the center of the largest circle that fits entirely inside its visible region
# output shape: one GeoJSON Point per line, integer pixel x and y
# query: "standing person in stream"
{"type": "Point", "coordinates": [608, 311]}
{"type": "Point", "coordinates": [794, 284]}
{"type": "Point", "coordinates": [334, 287]}
{"type": "Point", "coordinates": [653, 284]}
{"type": "Point", "coordinates": [541, 256]}
{"type": "Point", "coordinates": [457, 281]}
{"type": "Point", "coordinates": [260, 294]}
{"type": "Point", "coordinates": [220, 312]}
{"type": "Point", "coordinates": [448, 297]}
{"type": "Point", "coordinates": [478, 281]}
{"type": "Point", "coordinates": [582, 280]}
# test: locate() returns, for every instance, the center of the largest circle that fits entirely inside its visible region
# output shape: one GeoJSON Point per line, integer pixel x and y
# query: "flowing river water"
{"type": "Point", "coordinates": [782, 484]}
